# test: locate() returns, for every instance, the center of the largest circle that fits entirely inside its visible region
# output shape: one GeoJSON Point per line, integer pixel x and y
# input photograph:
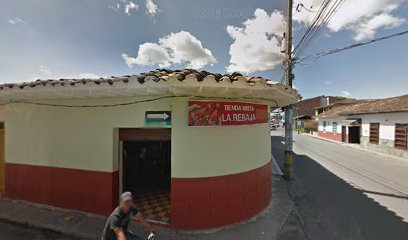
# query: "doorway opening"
{"type": "Point", "coordinates": [146, 171]}
{"type": "Point", "coordinates": [354, 134]}
{"type": "Point", "coordinates": [344, 134]}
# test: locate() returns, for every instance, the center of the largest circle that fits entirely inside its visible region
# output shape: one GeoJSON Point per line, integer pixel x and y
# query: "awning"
{"type": "Point", "coordinates": [303, 117]}
{"type": "Point", "coordinates": [351, 122]}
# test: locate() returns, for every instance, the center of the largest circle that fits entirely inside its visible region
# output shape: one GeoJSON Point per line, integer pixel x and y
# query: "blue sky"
{"type": "Point", "coordinates": [87, 38]}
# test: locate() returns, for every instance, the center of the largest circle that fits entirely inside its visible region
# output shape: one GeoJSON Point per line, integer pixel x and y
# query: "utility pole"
{"type": "Point", "coordinates": [288, 157]}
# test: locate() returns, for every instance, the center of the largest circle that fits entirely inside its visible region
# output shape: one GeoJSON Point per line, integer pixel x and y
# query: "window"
{"type": "Point", "coordinates": [401, 136]}
{"type": "Point", "coordinates": [324, 126]}
{"type": "Point", "coordinates": [334, 125]}
{"type": "Point", "coordinates": [374, 133]}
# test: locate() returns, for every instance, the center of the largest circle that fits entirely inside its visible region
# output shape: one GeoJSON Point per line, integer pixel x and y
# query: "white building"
{"type": "Point", "coordinates": [182, 141]}
{"type": "Point", "coordinates": [380, 124]}
{"type": "Point", "coordinates": [334, 125]}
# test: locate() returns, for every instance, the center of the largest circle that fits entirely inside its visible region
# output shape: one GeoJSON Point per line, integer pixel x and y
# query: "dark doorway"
{"type": "Point", "coordinates": [344, 134]}
{"type": "Point", "coordinates": [354, 134]}
{"type": "Point", "coordinates": [146, 170]}
{"type": "Point", "coordinates": [146, 166]}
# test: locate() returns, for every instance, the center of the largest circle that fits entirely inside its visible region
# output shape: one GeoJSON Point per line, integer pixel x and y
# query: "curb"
{"type": "Point", "coordinates": [49, 219]}
{"type": "Point", "coordinates": [42, 229]}
{"type": "Point", "coordinates": [276, 170]}
{"type": "Point", "coordinates": [55, 229]}
{"type": "Point", "coordinates": [357, 147]}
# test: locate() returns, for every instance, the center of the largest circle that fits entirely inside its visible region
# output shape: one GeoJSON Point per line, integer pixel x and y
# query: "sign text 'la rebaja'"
{"type": "Point", "coordinates": [213, 113]}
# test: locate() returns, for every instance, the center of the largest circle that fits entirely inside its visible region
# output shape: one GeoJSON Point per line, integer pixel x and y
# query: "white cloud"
{"type": "Point", "coordinates": [87, 75]}
{"type": "Point", "coordinates": [124, 5]}
{"type": "Point", "coordinates": [257, 44]}
{"type": "Point", "coordinates": [15, 21]}
{"type": "Point", "coordinates": [176, 48]}
{"type": "Point", "coordinates": [152, 8]}
{"type": "Point", "coordinates": [328, 83]}
{"type": "Point", "coordinates": [366, 30]}
{"type": "Point", "coordinates": [129, 6]}
{"type": "Point", "coordinates": [44, 71]}
{"type": "Point", "coordinates": [149, 54]}
{"type": "Point", "coordinates": [345, 93]}
{"type": "Point", "coordinates": [115, 7]}
{"type": "Point", "coordinates": [363, 17]}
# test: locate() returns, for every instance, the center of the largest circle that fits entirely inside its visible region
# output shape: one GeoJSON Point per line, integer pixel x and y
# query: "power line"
{"type": "Point", "coordinates": [301, 6]}
{"type": "Point", "coordinates": [316, 56]}
{"type": "Point", "coordinates": [309, 32]}
{"type": "Point", "coordinates": [323, 19]}
{"type": "Point", "coordinates": [89, 106]}
{"type": "Point", "coordinates": [326, 11]}
{"type": "Point", "coordinates": [311, 27]}
{"type": "Point", "coordinates": [323, 23]}
{"type": "Point", "coordinates": [131, 103]}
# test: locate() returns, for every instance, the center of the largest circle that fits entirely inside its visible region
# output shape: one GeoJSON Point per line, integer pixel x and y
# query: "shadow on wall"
{"type": "Point", "coordinates": [333, 209]}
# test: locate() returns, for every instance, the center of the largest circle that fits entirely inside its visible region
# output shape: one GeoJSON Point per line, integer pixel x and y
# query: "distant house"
{"type": "Point", "coordinates": [304, 111]}
{"type": "Point", "coordinates": [377, 124]}
{"type": "Point", "coordinates": [334, 125]}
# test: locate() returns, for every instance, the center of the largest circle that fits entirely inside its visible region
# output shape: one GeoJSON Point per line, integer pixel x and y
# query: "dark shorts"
{"type": "Point", "coordinates": [131, 236]}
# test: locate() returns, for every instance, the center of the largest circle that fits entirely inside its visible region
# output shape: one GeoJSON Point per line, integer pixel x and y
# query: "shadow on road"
{"type": "Point", "coordinates": [386, 194]}
{"type": "Point", "coordinates": [333, 209]}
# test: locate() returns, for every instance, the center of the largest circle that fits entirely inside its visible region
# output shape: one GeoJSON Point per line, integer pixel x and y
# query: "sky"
{"type": "Point", "coordinates": [48, 39]}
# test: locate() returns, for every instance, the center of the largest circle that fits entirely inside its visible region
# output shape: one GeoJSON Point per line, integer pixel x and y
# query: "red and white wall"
{"type": "Point", "coordinates": [330, 128]}
{"type": "Point", "coordinates": [68, 157]}
{"type": "Point", "coordinates": [387, 123]}
{"type": "Point", "coordinates": [220, 175]}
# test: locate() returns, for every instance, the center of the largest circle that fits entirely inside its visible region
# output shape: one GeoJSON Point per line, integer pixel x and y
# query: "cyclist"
{"type": "Point", "coordinates": [116, 227]}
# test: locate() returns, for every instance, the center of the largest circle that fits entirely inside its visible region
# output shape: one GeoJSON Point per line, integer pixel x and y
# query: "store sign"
{"type": "Point", "coordinates": [158, 118]}
{"type": "Point", "coordinates": [213, 113]}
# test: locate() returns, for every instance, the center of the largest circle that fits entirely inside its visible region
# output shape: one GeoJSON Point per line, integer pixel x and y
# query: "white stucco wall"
{"type": "Point", "coordinates": [387, 123]}
{"type": "Point", "coordinates": [79, 138]}
{"type": "Point", "coordinates": [216, 151]}
{"type": "Point", "coordinates": [329, 124]}
{"type": "Point", "coordinates": [85, 138]}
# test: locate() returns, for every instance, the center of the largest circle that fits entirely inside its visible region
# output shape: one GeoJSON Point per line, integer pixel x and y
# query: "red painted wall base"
{"type": "Point", "coordinates": [89, 191]}
{"type": "Point", "coordinates": [196, 203]}
{"type": "Point", "coordinates": [329, 135]}
{"type": "Point", "coordinates": [202, 203]}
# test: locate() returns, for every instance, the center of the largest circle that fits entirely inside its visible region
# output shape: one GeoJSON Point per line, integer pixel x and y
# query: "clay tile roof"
{"type": "Point", "coordinates": [394, 104]}
{"type": "Point", "coordinates": [160, 79]}
{"type": "Point", "coordinates": [369, 106]}
{"type": "Point", "coordinates": [157, 75]}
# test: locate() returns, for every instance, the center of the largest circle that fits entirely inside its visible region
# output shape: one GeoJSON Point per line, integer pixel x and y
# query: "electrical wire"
{"type": "Point", "coordinates": [311, 27]}
{"type": "Point", "coordinates": [90, 106]}
{"type": "Point", "coordinates": [326, 11]}
{"type": "Point", "coordinates": [131, 103]}
{"type": "Point", "coordinates": [301, 6]}
{"type": "Point", "coordinates": [316, 56]}
{"type": "Point", "coordinates": [323, 23]}
{"type": "Point", "coordinates": [315, 29]}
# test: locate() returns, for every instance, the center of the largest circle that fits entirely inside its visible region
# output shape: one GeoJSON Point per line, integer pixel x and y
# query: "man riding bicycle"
{"type": "Point", "coordinates": [116, 227]}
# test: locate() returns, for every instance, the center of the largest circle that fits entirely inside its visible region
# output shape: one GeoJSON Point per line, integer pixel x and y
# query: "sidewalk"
{"type": "Point", "coordinates": [356, 146]}
{"type": "Point", "coordinates": [279, 219]}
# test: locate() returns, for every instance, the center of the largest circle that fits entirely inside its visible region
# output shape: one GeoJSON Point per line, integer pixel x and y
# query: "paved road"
{"type": "Point", "coordinates": [347, 193]}
{"type": "Point", "coordinates": [17, 232]}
